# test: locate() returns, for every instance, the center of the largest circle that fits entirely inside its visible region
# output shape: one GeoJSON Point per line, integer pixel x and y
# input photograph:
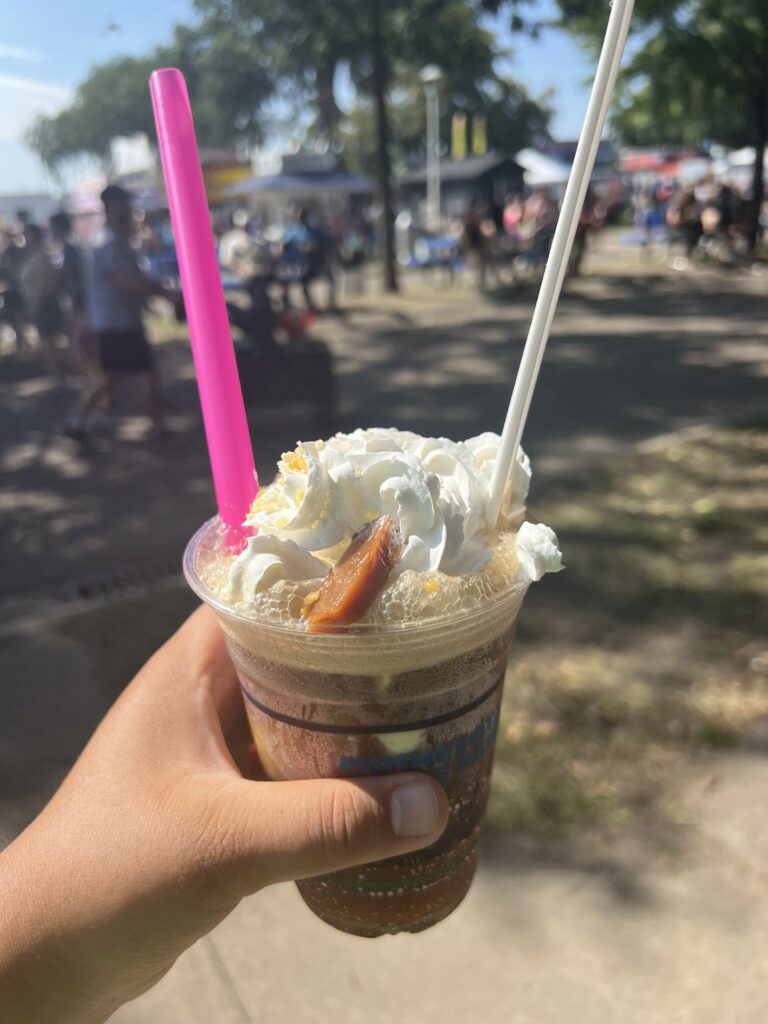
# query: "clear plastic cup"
{"type": "Point", "coordinates": [370, 701]}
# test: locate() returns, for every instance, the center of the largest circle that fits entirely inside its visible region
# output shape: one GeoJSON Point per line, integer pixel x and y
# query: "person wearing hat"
{"type": "Point", "coordinates": [117, 291]}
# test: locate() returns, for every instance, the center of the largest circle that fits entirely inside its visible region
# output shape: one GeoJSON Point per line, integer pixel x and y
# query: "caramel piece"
{"type": "Point", "coordinates": [349, 589]}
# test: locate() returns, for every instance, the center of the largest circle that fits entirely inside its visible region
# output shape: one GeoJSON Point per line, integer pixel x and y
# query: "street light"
{"type": "Point", "coordinates": [430, 77]}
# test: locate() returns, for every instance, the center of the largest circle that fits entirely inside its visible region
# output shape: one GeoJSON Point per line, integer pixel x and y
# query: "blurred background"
{"type": "Point", "coordinates": [384, 180]}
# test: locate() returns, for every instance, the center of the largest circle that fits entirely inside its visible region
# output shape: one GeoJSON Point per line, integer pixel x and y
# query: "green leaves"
{"type": "Point", "coordinates": [698, 72]}
{"type": "Point", "coordinates": [227, 86]}
{"type": "Point", "coordinates": [243, 53]}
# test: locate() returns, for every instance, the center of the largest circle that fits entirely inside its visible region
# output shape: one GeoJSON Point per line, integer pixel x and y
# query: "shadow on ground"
{"type": "Point", "coordinates": [80, 520]}
{"type": "Point", "coordinates": [628, 668]}
{"type": "Point", "coordinates": [627, 360]}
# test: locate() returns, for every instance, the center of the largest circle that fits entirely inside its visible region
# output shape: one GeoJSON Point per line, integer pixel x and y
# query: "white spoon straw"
{"type": "Point", "coordinates": [552, 281]}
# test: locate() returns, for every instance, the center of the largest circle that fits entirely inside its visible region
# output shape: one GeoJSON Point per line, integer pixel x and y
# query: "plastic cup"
{"type": "Point", "coordinates": [372, 701]}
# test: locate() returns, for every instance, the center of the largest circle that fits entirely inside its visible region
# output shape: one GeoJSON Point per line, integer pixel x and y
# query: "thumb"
{"type": "Point", "coordinates": [287, 830]}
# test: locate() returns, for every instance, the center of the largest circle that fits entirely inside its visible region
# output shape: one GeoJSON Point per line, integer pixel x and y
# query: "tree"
{"type": "Point", "coordinates": [513, 119]}
{"type": "Point", "coordinates": [111, 101]}
{"type": "Point", "coordinates": [700, 72]}
{"type": "Point", "coordinates": [380, 43]}
{"type": "Point", "coordinates": [227, 86]}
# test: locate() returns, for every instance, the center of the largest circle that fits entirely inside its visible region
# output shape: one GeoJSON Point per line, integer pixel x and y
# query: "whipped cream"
{"type": "Point", "coordinates": [435, 489]}
{"type": "Point", "coordinates": [537, 551]}
{"type": "Point", "coordinates": [268, 559]}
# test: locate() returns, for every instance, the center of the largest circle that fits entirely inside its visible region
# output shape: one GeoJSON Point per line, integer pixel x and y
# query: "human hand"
{"type": "Point", "coordinates": [155, 836]}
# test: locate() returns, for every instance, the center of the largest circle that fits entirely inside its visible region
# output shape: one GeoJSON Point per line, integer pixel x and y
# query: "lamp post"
{"type": "Point", "coordinates": [430, 77]}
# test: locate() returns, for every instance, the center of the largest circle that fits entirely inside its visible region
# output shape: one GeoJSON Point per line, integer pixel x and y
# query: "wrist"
{"type": "Point", "coordinates": [45, 964]}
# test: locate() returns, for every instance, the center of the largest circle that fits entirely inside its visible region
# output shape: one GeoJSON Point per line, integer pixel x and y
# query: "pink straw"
{"type": "Point", "coordinates": [226, 428]}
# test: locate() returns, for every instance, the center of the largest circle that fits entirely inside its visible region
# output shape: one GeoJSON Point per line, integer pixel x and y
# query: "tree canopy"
{"type": "Point", "coordinates": [111, 100]}
{"type": "Point", "coordinates": [381, 44]}
{"type": "Point", "coordinates": [698, 71]}
{"type": "Point", "coordinates": [244, 52]}
{"type": "Point", "coordinates": [227, 86]}
{"type": "Point", "coordinates": [307, 45]}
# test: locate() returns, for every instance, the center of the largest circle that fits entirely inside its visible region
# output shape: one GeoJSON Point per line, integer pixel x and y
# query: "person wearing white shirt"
{"type": "Point", "coordinates": [117, 292]}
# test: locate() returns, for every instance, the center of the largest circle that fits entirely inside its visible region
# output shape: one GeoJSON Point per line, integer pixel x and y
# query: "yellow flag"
{"type": "Point", "coordinates": [479, 136]}
{"type": "Point", "coordinates": [459, 136]}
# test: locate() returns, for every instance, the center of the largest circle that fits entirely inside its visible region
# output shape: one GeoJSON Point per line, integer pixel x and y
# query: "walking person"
{"type": "Point", "coordinates": [117, 292]}
{"type": "Point", "coordinates": [590, 221]}
{"type": "Point", "coordinates": [82, 341]}
{"type": "Point", "coordinates": [39, 283]}
{"type": "Point", "coordinates": [475, 241]}
{"type": "Point", "coordinates": [12, 311]}
{"type": "Point", "coordinates": [322, 259]}
{"type": "Point", "coordinates": [71, 282]}
{"type": "Point", "coordinates": [297, 257]}
{"type": "Point", "coordinates": [684, 217]}
{"type": "Point", "coordinates": [70, 262]}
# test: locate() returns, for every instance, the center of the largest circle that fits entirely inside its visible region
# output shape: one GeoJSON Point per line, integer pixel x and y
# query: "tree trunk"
{"type": "Point", "coordinates": [328, 111]}
{"type": "Point", "coordinates": [383, 165]}
{"type": "Point", "coordinates": [758, 175]}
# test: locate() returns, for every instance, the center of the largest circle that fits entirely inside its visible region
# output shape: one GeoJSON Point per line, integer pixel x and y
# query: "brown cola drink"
{"type": "Point", "coordinates": [373, 699]}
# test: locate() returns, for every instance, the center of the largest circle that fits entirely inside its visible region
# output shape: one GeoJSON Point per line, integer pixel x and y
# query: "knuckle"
{"type": "Point", "coordinates": [345, 820]}
{"type": "Point", "coordinates": [212, 841]}
{"type": "Point", "coordinates": [213, 845]}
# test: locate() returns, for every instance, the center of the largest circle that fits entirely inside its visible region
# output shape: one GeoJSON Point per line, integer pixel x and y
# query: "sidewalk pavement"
{"type": "Point", "coordinates": [664, 935]}
{"type": "Point", "coordinates": [534, 943]}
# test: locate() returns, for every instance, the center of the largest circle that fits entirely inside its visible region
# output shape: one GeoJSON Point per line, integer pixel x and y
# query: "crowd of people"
{"type": "Point", "coordinates": [521, 230]}
{"type": "Point", "coordinates": [86, 306]}
{"type": "Point", "coordinates": [308, 248]}
{"type": "Point", "coordinates": [78, 309]}
{"type": "Point", "coordinates": [301, 252]}
{"type": "Point", "coordinates": [707, 218]}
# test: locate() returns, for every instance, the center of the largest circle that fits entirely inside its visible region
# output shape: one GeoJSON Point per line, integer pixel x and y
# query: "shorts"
{"type": "Point", "coordinates": [49, 319]}
{"type": "Point", "coordinates": [125, 351]}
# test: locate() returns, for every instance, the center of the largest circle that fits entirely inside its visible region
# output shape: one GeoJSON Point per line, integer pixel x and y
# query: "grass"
{"type": "Point", "coordinates": [650, 651]}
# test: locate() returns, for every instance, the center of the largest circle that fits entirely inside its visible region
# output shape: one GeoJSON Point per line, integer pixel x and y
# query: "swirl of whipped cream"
{"type": "Point", "coordinates": [436, 490]}
{"type": "Point", "coordinates": [266, 560]}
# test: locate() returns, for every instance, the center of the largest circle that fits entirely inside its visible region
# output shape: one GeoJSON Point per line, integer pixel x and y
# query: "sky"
{"type": "Point", "coordinates": [45, 52]}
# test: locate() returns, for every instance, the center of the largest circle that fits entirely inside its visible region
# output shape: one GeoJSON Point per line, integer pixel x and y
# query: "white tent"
{"type": "Point", "coordinates": [742, 157]}
{"type": "Point", "coordinates": [540, 170]}
{"type": "Point", "coordinates": [736, 167]}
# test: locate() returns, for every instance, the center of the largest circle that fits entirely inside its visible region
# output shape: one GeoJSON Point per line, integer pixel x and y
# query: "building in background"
{"type": "Point", "coordinates": [33, 208]}
{"type": "Point", "coordinates": [606, 180]}
{"type": "Point", "coordinates": [476, 179]}
{"type": "Point", "coordinates": [222, 170]}
{"type": "Point", "coordinates": [317, 181]}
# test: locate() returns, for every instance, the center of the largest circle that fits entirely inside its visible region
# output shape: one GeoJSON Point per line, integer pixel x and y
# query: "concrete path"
{"type": "Point", "coordinates": [534, 943]}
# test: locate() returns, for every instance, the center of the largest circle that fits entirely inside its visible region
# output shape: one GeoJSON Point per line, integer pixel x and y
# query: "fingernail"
{"type": "Point", "coordinates": [413, 809]}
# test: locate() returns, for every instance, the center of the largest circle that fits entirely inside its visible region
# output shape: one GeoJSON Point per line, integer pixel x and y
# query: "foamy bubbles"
{"type": "Point", "coordinates": [408, 599]}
